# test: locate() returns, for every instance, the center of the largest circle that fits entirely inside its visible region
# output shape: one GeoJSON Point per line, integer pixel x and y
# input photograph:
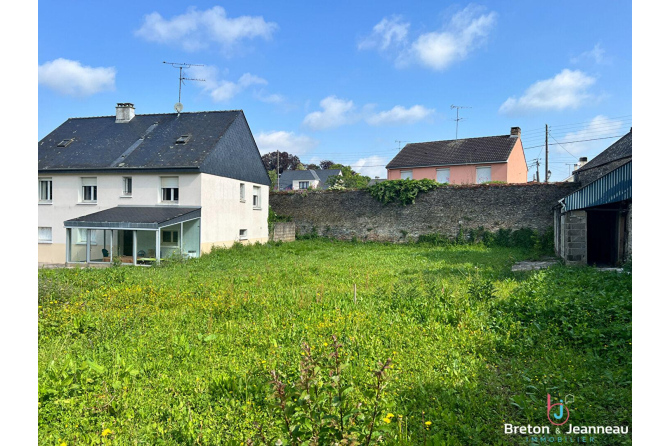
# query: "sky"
{"type": "Point", "coordinates": [352, 82]}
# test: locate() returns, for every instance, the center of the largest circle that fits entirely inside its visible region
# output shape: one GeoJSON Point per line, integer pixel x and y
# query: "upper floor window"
{"type": "Point", "coordinates": [242, 192]}
{"type": "Point", "coordinates": [257, 197]}
{"type": "Point", "coordinates": [405, 174]}
{"type": "Point", "coordinates": [169, 189]}
{"type": "Point", "coordinates": [89, 189]}
{"type": "Point", "coordinates": [127, 186]}
{"type": "Point", "coordinates": [45, 186]}
{"type": "Point", "coordinates": [303, 184]}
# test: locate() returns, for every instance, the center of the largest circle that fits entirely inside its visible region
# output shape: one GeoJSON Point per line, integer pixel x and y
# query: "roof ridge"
{"type": "Point", "coordinates": [460, 139]}
{"type": "Point", "coordinates": [161, 114]}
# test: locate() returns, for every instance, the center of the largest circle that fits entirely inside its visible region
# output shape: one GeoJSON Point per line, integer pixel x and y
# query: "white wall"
{"type": "Point", "coordinates": [223, 214]}
{"type": "Point", "coordinates": [65, 204]}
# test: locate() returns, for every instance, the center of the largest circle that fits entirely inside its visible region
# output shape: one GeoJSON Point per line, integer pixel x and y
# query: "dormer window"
{"type": "Point", "coordinates": [183, 139]}
{"type": "Point", "coordinates": [65, 142]}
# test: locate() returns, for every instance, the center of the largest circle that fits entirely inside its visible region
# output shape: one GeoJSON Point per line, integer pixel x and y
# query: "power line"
{"type": "Point", "coordinates": [572, 142]}
{"type": "Point", "coordinates": [552, 137]}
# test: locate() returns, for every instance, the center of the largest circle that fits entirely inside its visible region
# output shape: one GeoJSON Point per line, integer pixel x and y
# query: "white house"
{"type": "Point", "coordinates": [306, 179]}
{"type": "Point", "coordinates": [143, 187]}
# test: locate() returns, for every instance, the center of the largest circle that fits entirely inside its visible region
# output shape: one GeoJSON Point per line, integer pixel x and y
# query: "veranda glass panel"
{"type": "Point", "coordinates": [77, 245]}
{"type": "Point", "coordinates": [101, 245]}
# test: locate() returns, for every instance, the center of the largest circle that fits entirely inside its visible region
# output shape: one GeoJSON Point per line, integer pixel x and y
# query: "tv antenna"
{"type": "Point", "coordinates": [178, 106]}
{"type": "Point", "coordinates": [458, 107]}
{"type": "Point", "coordinates": [399, 143]}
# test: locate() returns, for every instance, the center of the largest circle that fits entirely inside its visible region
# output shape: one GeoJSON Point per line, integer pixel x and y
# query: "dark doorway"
{"type": "Point", "coordinates": [601, 237]}
{"type": "Point", "coordinates": [127, 243]}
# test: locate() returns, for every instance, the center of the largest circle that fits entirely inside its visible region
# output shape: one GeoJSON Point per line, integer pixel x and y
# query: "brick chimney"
{"type": "Point", "coordinates": [582, 160]}
{"type": "Point", "coordinates": [125, 112]}
{"type": "Point", "coordinates": [516, 131]}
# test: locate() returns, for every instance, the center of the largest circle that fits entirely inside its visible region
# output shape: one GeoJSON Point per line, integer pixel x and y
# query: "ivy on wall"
{"type": "Point", "coordinates": [402, 191]}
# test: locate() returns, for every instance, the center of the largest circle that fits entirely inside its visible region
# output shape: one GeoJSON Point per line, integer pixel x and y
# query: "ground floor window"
{"type": "Point", "coordinates": [43, 234]}
{"type": "Point", "coordinates": [483, 174]}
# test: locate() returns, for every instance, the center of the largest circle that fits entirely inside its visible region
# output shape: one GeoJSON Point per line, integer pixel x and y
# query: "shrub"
{"type": "Point", "coordinates": [402, 191]}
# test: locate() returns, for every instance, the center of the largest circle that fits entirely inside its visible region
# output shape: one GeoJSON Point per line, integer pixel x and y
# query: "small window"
{"type": "Point", "coordinates": [169, 189]}
{"type": "Point", "coordinates": [405, 174]}
{"type": "Point", "coordinates": [45, 186]}
{"type": "Point", "coordinates": [89, 190]}
{"type": "Point", "coordinates": [127, 186]}
{"type": "Point", "coordinates": [303, 184]}
{"type": "Point", "coordinates": [183, 139]}
{"type": "Point", "coordinates": [242, 193]}
{"type": "Point", "coordinates": [257, 197]}
{"type": "Point", "coordinates": [65, 142]}
{"type": "Point", "coordinates": [170, 237]}
{"type": "Point", "coordinates": [43, 234]}
{"type": "Point", "coordinates": [243, 234]}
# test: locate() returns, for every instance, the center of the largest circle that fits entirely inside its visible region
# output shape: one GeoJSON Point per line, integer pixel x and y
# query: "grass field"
{"type": "Point", "coordinates": [183, 353]}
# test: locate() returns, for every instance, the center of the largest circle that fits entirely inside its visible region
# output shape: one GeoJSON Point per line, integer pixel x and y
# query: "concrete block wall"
{"type": "Point", "coordinates": [284, 231]}
{"type": "Point", "coordinates": [575, 237]}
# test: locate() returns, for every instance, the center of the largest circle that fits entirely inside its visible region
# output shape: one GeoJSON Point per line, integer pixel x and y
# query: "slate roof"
{"type": "Point", "coordinates": [622, 148]}
{"type": "Point", "coordinates": [489, 149]}
{"type": "Point", "coordinates": [220, 143]}
{"type": "Point", "coordinates": [288, 176]}
{"type": "Point", "coordinates": [151, 217]}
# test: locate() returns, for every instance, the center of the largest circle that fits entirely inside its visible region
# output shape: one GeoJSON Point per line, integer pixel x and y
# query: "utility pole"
{"type": "Point", "coordinates": [277, 169]}
{"type": "Point", "coordinates": [537, 166]}
{"type": "Point", "coordinates": [546, 153]}
{"type": "Point", "coordinates": [458, 107]}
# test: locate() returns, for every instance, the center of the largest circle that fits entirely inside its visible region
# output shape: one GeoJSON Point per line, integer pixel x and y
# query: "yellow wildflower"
{"type": "Point", "coordinates": [386, 420]}
{"type": "Point", "coordinates": [389, 415]}
{"type": "Point", "coordinates": [106, 432]}
{"type": "Point", "coordinates": [428, 423]}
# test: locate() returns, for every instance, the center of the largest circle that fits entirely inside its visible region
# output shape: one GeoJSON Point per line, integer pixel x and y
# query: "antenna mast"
{"type": "Point", "coordinates": [458, 107]}
{"type": "Point", "coordinates": [399, 143]}
{"type": "Point", "coordinates": [181, 67]}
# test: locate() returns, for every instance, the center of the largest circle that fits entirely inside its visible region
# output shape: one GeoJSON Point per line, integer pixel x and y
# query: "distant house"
{"type": "Point", "coordinates": [306, 179]}
{"type": "Point", "coordinates": [593, 225]}
{"type": "Point", "coordinates": [463, 161]}
{"type": "Point", "coordinates": [139, 188]}
{"type": "Point", "coordinates": [375, 180]}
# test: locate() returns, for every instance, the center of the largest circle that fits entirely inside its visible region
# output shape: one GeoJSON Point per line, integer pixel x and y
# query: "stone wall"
{"type": "Point", "coordinates": [348, 214]}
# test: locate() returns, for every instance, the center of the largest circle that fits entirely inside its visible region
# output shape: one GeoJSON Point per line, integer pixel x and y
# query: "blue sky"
{"type": "Point", "coordinates": [345, 81]}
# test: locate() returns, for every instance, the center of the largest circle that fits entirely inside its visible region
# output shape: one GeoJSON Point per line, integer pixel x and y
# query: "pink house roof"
{"type": "Point", "coordinates": [489, 149]}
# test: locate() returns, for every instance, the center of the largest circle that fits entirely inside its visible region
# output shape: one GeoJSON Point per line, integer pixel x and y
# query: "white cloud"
{"type": "Point", "coordinates": [467, 30]}
{"type": "Point", "coordinates": [568, 89]}
{"type": "Point", "coordinates": [195, 30]}
{"type": "Point", "coordinates": [70, 77]}
{"type": "Point", "coordinates": [400, 115]}
{"type": "Point", "coordinates": [336, 112]}
{"type": "Point", "coordinates": [221, 90]}
{"type": "Point", "coordinates": [597, 55]}
{"type": "Point", "coordinates": [390, 31]}
{"type": "Point", "coordinates": [285, 142]}
{"type": "Point", "coordinates": [599, 127]}
{"type": "Point", "coordinates": [372, 166]}
{"type": "Point", "coordinates": [274, 98]}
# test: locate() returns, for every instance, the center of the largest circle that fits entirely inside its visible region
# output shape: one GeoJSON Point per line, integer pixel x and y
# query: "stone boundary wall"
{"type": "Point", "coordinates": [355, 213]}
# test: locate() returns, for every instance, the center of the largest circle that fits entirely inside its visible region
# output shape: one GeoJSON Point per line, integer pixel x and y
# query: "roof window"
{"type": "Point", "coordinates": [183, 139]}
{"type": "Point", "coordinates": [65, 142]}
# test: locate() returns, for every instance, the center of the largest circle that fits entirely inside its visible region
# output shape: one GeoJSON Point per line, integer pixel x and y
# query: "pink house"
{"type": "Point", "coordinates": [463, 161]}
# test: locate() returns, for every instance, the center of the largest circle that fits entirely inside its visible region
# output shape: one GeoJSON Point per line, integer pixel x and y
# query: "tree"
{"type": "Point", "coordinates": [313, 167]}
{"type": "Point", "coordinates": [350, 179]}
{"type": "Point", "coordinates": [286, 161]}
{"type": "Point", "coordinates": [326, 164]}
{"type": "Point", "coordinates": [273, 177]}
{"type": "Point", "coordinates": [300, 167]}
